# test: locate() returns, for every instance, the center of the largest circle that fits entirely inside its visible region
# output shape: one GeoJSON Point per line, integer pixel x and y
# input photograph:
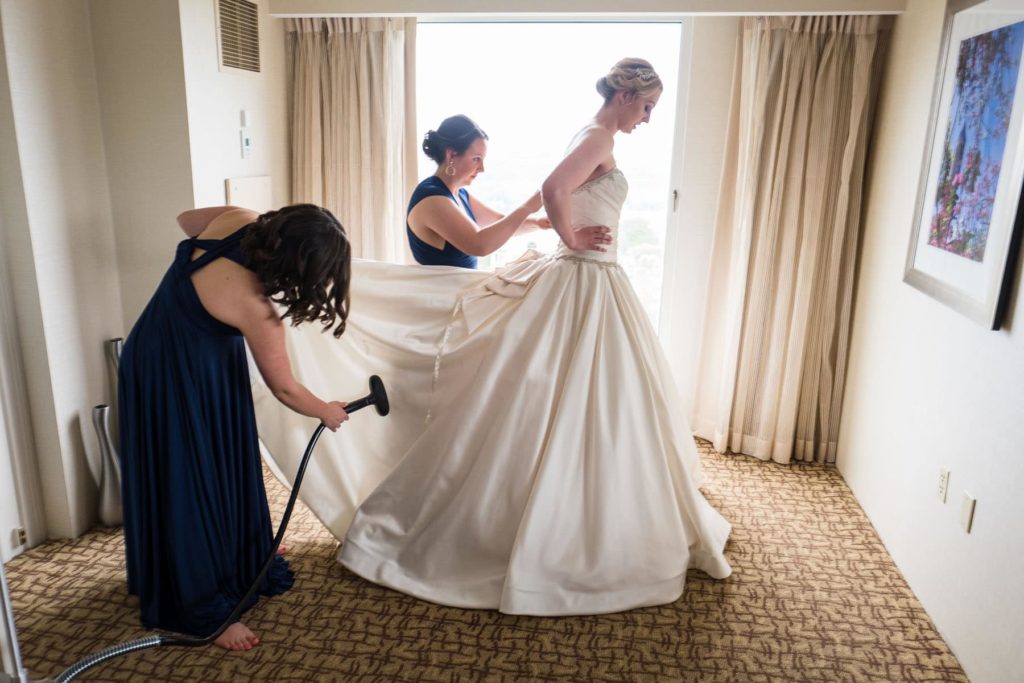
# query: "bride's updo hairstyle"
{"type": "Point", "coordinates": [629, 75]}
{"type": "Point", "coordinates": [302, 257]}
{"type": "Point", "coordinates": [455, 132]}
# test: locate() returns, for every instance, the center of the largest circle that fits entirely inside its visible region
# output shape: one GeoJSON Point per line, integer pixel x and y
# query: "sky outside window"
{"type": "Point", "coordinates": [530, 86]}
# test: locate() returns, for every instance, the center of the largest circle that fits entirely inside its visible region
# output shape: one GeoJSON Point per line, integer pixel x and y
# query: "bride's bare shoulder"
{"type": "Point", "coordinates": [591, 131]}
{"type": "Point", "coordinates": [592, 137]}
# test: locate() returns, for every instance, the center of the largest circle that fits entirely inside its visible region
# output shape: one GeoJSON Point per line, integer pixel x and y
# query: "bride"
{"type": "Point", "coordinates": [534, 462]}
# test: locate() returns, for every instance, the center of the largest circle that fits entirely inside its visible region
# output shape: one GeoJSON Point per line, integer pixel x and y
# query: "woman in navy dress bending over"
{"type": "Point", "coordinates": [196, 523]}
{"type": "Point", "coordinates": [445, 231]}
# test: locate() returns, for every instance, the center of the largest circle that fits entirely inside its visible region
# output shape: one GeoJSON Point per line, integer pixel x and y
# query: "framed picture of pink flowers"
{"type": "Point", "coordinates": [970, 214]}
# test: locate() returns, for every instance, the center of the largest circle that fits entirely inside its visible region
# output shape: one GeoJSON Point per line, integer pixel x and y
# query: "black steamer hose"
{"type": "Point", "coordinates": [379, 399]}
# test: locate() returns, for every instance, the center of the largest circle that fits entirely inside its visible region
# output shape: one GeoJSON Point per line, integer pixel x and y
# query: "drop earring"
{"type": "Point", "coordinates": [450, 169]}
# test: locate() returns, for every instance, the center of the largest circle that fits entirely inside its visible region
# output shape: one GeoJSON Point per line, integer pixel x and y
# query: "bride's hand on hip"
{"type": "Point", "coordinates": [591, 238]}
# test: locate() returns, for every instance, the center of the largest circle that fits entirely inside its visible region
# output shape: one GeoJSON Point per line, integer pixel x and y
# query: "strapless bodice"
{"type": "Point", "coordinates": [598, 202]}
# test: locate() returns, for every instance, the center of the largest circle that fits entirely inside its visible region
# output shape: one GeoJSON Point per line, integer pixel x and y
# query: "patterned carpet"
{"type": "Point", "coordinates": [813, 597]}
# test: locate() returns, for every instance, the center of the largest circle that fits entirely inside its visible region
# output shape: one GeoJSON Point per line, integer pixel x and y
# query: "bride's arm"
{"type": "Point", "coordinates": [593, 149]}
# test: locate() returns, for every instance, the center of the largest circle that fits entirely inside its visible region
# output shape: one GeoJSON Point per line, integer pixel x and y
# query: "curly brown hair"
{"type": "Point", "coordinates": [303, 258]}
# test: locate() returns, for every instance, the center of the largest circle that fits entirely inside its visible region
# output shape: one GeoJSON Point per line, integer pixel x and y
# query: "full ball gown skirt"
{"type": "Point", "coordinates": [196, 523]}
{"type": "Point", "coordinates": [534, 462]}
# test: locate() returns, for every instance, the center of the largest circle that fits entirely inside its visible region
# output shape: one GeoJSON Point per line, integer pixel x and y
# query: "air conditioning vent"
{"type": "Point", "coordinates": [239, 34]}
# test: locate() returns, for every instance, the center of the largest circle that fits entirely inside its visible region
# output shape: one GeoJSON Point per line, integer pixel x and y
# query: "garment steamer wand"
{"type": "Point", "coordinates": [378, 398]}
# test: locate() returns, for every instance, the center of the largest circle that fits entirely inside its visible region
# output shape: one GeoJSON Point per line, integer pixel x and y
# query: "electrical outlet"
{"type": "Point", "coordinates": [967, 512]}
{"type": "Point", "coordinates": [943, 483]}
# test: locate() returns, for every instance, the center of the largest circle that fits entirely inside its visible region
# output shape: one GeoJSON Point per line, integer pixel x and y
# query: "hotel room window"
{"type": "Point", "coordinates": [530, 87]}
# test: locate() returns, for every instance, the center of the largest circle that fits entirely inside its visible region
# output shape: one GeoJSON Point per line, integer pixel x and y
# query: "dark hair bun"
{"type": "Point", "coordinates": [455, 132]}
{"type": "Point", "coordinates": [433, 146]}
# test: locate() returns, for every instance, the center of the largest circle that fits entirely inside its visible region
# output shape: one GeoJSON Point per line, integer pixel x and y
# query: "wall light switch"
{"type": "Point", "coordinates": [967, 512]}
{"type": "Point", "coordinates": [943, 483]}
{"type": "Point", "coordinates": [246, 139]}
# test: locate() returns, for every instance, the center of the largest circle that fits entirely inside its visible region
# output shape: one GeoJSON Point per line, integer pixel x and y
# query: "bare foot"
{"type": "Point", "coordinates": [237, 637]}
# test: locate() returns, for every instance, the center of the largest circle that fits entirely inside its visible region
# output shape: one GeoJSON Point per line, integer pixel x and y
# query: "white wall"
{"type": "Point", "coordinates": [15, 429]}
{"type": "Point", "coordinates": [696, 176]}
{"type": "Point", "coordinates": [10, 514]}
{"type": "Point", "coordinates": [171, 125]}
{"type": "Point", "coordinates": [57, 213]}
{"type": "Point", "coordinates": [20, 496]}
{"type": "Point", "coordinates": [115, 118]}
{"type": "Point", "coordinates": [927, 388]}
{"type": "Point", "coordinates": [216, 98]}
{"type": "Point", "coordinates": [141, 85]}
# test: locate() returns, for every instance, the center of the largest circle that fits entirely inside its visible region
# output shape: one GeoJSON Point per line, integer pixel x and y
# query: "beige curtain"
{"type": "Point", "coordinates": [777, 324]}
{"type": "Point", "coordinates": [353, 122]}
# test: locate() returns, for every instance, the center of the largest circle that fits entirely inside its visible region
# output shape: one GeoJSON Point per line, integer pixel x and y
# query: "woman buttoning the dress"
{"type": "Point", "coordinates": [196, 522]}
{"type": "Point", "coordinates": [445, 231]}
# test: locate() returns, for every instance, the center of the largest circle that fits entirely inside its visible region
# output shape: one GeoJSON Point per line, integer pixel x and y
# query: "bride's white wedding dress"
{"type": "Point", "coordinates": [534, 462]}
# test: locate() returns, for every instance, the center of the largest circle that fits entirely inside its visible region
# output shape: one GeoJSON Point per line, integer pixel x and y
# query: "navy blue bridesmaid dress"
{"type": "Point", "coordinates": [427, 254]}
{"type": "Point", "coordinates": [196, 523]}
